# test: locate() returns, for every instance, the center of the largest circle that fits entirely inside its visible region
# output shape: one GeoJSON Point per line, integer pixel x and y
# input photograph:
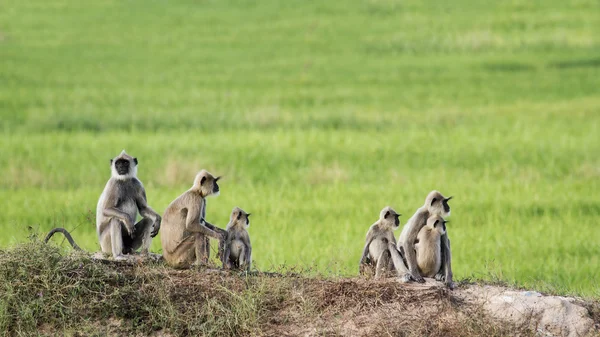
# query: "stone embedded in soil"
{"type": "Point", "coordinates": [548, 315]}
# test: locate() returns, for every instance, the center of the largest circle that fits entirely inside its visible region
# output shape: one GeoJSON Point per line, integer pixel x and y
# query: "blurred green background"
{"type": "Point", "coordinates": [318, 114]}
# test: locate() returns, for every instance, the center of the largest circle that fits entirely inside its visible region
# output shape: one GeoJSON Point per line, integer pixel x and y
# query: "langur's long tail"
{"type": "Point", "coordinates": [66, 234]}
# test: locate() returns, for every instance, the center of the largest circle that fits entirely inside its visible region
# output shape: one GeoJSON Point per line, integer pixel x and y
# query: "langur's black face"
{"type": "Point", "coordinates": [215, 185]}
{"type": "Point", "coordinates": [440, 224]}
{"type": "Point", "coordinates": [209, 185]}
{"type": "Point", "coordinates": [393, 216]}
{"type": "Point", "coordinates": [122, 166]}
{"type": "Point", "coordinates": [241, 216]}
{"type": "Point", "coordinates": [445, 204]}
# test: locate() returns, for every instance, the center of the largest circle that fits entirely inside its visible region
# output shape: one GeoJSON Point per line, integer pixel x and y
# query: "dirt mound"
{"type": "Point", "coordinates": [43, 291]}
{"type": "Point", "coordinates": [374, 308]}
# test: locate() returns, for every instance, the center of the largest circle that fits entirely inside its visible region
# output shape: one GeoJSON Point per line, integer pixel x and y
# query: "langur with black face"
{"type": "Point", "coordinates": [429, 246]}
{"type": "Point", "coordinates": [380, 247]}
{"type": "Point", "coordinates": [185, 231]}
{"type": "Point", "coordinates": [435, 204]}
{"type": "Point", "coordinates": [238, 250]}
{"type": "Point", "coordinates": [123, 197]}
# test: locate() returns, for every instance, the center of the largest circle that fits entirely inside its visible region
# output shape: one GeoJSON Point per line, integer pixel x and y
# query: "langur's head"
{"type": "Point", "coordinates": [437, 223]}
{"type": "Point", "coordinates": [206, 184]}
{"type": "Point", "coordinates": [123, 166]}
{"type": "Point", "coordinates": [239, 217]}
{"type": "Point", "coordinates": [436, 203]}
{"type": "Point", "coordinates": [390, 217]}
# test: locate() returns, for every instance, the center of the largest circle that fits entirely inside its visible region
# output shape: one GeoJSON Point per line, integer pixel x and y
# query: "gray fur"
{"type": "Point", "coordinates": [429, 246]}
{"type": "Point", "coordinates": [435, 204]}
{"type": "Point", "coordinates": [121, 200]}
{"type": "Point", "coordinates": [185, 231]}
{"type": "Point", "coordinates": [380, 247]}
{"type": "Point", "coordinates": [238, 250]}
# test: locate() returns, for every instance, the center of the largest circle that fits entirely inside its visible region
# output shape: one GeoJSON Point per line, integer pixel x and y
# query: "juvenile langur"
{"type": "Point", "coordinates": [435, 204]}
{"type": "Point", "coordinates": [118, 206]}
{"type": "Point", "coordinates": [429, 246]}
{"type": "Point", "coordinates": [238, 250]}
{"type": "Point", "coordinates": [185, 231]}
{"type": "Point", "coordinates": [380, 247]}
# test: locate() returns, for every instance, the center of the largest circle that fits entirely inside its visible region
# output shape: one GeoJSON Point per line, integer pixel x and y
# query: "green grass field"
{"type": "Point", "coordinates": [318, 114]}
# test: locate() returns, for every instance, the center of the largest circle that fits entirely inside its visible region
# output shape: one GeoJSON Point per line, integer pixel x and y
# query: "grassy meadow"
{"type": "Point", "coordinates": [318, 114]}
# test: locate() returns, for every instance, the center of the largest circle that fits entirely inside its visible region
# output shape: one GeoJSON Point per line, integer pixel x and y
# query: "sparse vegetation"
{"type": "Point", "coordinates": [45, 292]}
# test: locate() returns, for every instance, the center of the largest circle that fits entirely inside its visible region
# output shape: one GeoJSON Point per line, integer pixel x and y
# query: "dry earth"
{"type": "Point", "coordinates": [431, 306]}
{"type": "Point", "coordinates": [45, 292]}
{"type": "Point", "coordinates": [368, 307]}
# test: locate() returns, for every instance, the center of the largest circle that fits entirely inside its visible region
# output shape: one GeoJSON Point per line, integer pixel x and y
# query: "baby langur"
{"type": "Point", "coordinates": [380, 247]}
{"type": "Point", "coordinates": [118, 206]}
{"type": "Point", "coordinates": [429, 246]}
{"type": "Point", "coordinates": [238, 250]}
{"type": "Point", "coordinates": [185, 231]}
{"type": "Point", "coordinates": [435, 204]}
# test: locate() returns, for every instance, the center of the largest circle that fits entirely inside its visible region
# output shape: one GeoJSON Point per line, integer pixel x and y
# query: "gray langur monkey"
{"type": "Point", "coordinates": [238, 250]}
{"type": "Point", "coordinates": [380, 247]}
{"type": "Point", "coordinates": [185, 231]}
{"type": "Point", "coordinates": [429, 246]}
{"type": "Point", "coordinates": [435, 204]}
{"type": "Point", "coordinates": [118, 206]}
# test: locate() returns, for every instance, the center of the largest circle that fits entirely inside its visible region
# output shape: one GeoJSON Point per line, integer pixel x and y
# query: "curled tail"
{"type": "Point", "coordinates": [66, 234]}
